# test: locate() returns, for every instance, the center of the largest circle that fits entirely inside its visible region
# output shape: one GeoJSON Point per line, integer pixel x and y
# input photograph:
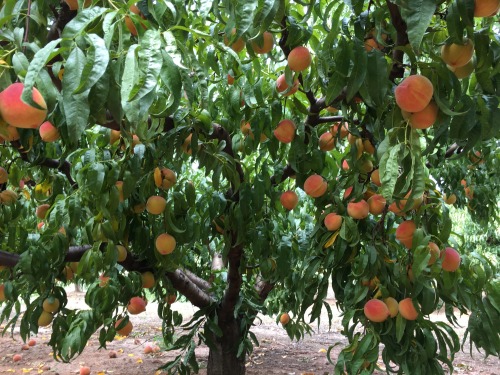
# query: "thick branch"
{"type": "Point", "coordinates": [189, 289]}
{"type": "Point", "coordinates": [325, 120]}
{"type": "Point", "coordinates": [263, 288]}
{"type": "Point", "coordinates": [198, 281]}
{"type": "Point", "coordinates": [234, 281]}
{"type": "Point", "coordinates": [287, 172]}
{"type": "Point", "coordinates": [401, 40]}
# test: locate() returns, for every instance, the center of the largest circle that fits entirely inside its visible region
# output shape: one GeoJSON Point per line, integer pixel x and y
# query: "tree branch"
{"type": "Point", "coordinates": [397, 70]}
{"type": "Point", "coordinates": [263, 288]}
{"type": "Point", "coordinates": [189, 289]}
{"type": "Point", "coordinates": [325, 120]}
{"type": "Point", "coordinates": [198, 281]}
{"type": "Point", "coordinates": [234, 281]}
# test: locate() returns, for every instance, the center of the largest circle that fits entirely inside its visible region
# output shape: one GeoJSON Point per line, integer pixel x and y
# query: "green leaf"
{"type": "Point", "coordinates": [389, 170]}
{"type": "Point", "coordinates": [358, 72]}
{"type": "Point", "coordinates": [418, 15]}
{"type": "Point", "coordinates": [78, 24]}
{"type": "Point", "coordinates": [97, 62]}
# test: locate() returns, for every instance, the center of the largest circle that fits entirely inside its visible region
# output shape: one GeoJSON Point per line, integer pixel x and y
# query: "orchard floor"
{"type": "Point", "coordinates": [276, 355]}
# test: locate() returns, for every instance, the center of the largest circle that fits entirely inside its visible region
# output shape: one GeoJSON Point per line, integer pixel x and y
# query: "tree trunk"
{"type": "Point", "coordinates": [222, 359]}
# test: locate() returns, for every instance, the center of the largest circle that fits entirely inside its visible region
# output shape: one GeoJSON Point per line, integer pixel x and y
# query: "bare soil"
{"type": "Point", "coordinates": [277, 354]}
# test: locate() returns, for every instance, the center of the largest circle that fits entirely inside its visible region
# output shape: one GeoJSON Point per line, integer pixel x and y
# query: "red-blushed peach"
{"type": "Point", "coordinates": [376, 311]}
{"type": "Point", "coordinates": [85, 370]}
{"type": "Point", "coordinates": [392, 305]}
{"type": "Point", "coordinates": [457, 55]}
{"type": "Point", "coordinates": [284, 319]}
{"type": "Point", "coordinates": [404, 232]}
{"type": "Point", "coordinates": [348, 192]}
{"type": "Point", "coordinates": [407, 309]}
{"type": "Point", "coordinates": [41, 211]}
{"type": "Point", "coordinates": [371, 44]}
{"type": "Point", "coordinates": [289, 199]}
{"type": "Point", "coordinates": [136, 305]}
{"type": "Point", "coordinates": [165, 244]}
{"type": "Point", "coordinates": [285, 131]}
{"type": "Point", "coordinates": [148, 279]}
{"type": "Point", "coordinates": [114, 135]}
{"type": "Point", "coordinates": [333, 221]}
{"type": "Point", "coordinates": [237, 45]}
{"type": "Point", "coordinates": [282, 86]}
{"type": "Point", "coordinates": [326, 141]}
{"type": "Point", "coordinates": [315, 186]}
{"type": "Point", "coordinates": [299, 59]}
{"type": "Point", "coordinates": [375, 177]}
{"type": "Point", "coordinates": [358, 210]}
{"type": "Point", "coordinates": [32, 342]}
{"type": "Point", "coordinates": [155, 205]}
{"type": "Point", "coordinates": [423, 119]}
{"type": "Point", "coordinates": [434, 251]}
{"type": "Point", "coordinates": [125, 331]}
{"type": "Point", "coordinates": [171, 298]}
{"type": "Point", "coordinates": [164, 178]}
{"type": "Point", "coordinates": [16, 112]}
{"type": "Point", "coordinates": [9, 133]}
{"type": "Point", "coordinates": [414, 93]}
{"type": "Point", "coordinates": [48, 132]}
{"type": "Point", "coordinates": [148, 349]}
{"type": "Point", "coordinates": [344, 129]}
{"type": "Point", "coordinates": [486, 8]}
{"type": "Point", "coordinates": [130, 24]}
{"type": "Point", "coordinates": [464, 71]}
{"type": "Point", "coordinates": [17, 357]}
{"type": "Point", "coordinates": [376, 204]}
{"type": "Point", "coordinates": [103, 280]}
{"type": "Point", "coordinates": [345, 165]}
{"type": "Point", "coordinates": [73, 4]}
{"type": "Point", "coordinates": [450, 259]}
{"type": "Point", "coordinates": [264, 44]}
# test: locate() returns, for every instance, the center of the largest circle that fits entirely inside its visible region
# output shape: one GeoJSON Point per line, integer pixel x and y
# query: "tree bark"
{"type": "Point", "coordinates": [222, 359]}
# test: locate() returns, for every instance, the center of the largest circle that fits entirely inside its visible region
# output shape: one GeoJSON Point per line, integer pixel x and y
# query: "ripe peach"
{"type": "Point", "coordinates": [450, 259]}
{"type": "Point", "coordinates": [148, 279]}
{"type": "Point", "coordinates": [434, 250]}
{"type": "Point", "coordinates": [423, 119]}
{"type": "Point", "coordinates": [45, 319]}
{"type": "Point", "coordinates": [130, 24]}
{"type": "Point", "coordinates": [333, 221]}
{"type": "Point", "coordinates": [289, 199]}
{"type": "Point", "coordinates": [464, 71]}
{"type": "Point", "coordinates": [171, 298]}
{"type": "Point", "coordinates": [450, 200]}
{"type": "Point", "coordinates": [368, 147]}
{"type": "Point", "coordinates": [315, 186]}
{"type": "Point", "coordinates": [16, 112]}
{"type": "Point", "coordinates": [156, 204]}
{"type": "Point", "coordinates": [9, 133]}
{"type": "Point", "coordinates": [125, 331]}
{"type": "Point", "coordinates": [41, 211]}
{"type": "Point", "coordinates": [326, 141]}
{"type": "Point", "coordinates": [84, 370]}
{"type": "Point", "coordinates": [299, 59]}
{"type": "Point", "coordinates": [358, 210]}
{"type": "Point", "coordinates": [348, 192]}
{"type": "Point", "coordinates": [285, 131]}
{"type": "Point", "coordinates": [186, 145]}
{"type": "Point", "coordinates": [165, 244]}
{"type": "Point", "coordinates": [392, 305]}
{"type": "Point", "coordinates": [469, 192]}
{"type": "Point", "coordinates": [148, 349]}
{"type": "Point", "coordinates": [114, 135]}
{"type": "Point", "coordinates": [404, 232]}
{"type": "Point", "coordinates": [51, 304]}
{"type": "Point", "coordinates": [263, 44]}
{"type": "Point", "coordinates": [282, 86]}
{"type": "Point", "coordinates": [48, 132]}
{"type": "Point", "coordinates": [237, 45]}
{"type": "Point", "coordinates": [284, 319]}
{"type": "Point", "coordinates": [376, 310]}
{"type": "Point", "coordinates": [17, 357]}
{"type": "Point", "coordinates": [376, 204]}
{"type": "Point", "coordinates": [344, 129]}
{"type": "Point", "coordinates": [486, 8]}
{"type": "Point", "coordinates": [375, 177]}
{"type": "Point", "coordinates": [121, 253]}
{"type": "Point", "coordinates": [164, 178]}
{"type": "Point", "coordinates": [407, 309]}
{"type": "Point", "coordinates": [2, 293]}
{"type": "Point", "coordinates": [345, 165]}
{"type": "Point", "coordinates": [136, 305]}
{"type": "Point", "coordinates": [73, 4]}
{"type": "Point", "coordinates": [32, 342]}
{"type": "Point", "coordinates": [414, 93]}
{"type": "Point", "coordinates": [371, 44]}
{"type": "Point", "coordinates": [230, 79]}
{"type": "Point", "coordinates": [103, 280]}
{"type": "Point", "coordinates": [457, 55]}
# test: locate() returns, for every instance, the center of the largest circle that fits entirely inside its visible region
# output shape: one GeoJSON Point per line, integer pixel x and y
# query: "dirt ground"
{"type": "Point", "coordinates": [276, 355]}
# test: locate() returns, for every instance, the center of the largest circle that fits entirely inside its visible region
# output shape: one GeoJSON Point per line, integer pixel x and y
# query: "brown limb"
{"type": "Point", "coordinates": [198, 281]}
{"type": "Point", "coordinates": [263, 288]}
{"type": "Point", "coordinates": [189, 289]}
{"type": "Point", "coordinates": [325, 120]}
{"type": "Point", "coordinates": [397, 70]}
{"type": "Point", "coordinates": [234, 282]}
{"type": "Point", "coordinates": [287, 172]}
{"type": "Point", "coordinates": [27, 26]}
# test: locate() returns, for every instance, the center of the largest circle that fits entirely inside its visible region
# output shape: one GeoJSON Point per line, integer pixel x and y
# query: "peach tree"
{"type": "Point", "coordinates": [243, 156]}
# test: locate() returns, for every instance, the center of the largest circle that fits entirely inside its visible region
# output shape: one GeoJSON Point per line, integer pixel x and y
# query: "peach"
{"type": "Point", "coordinates": [469, 192]}
{"type": "Point", "coordinates": [8, 197]}
{"type": "Point", "coordinates": [375, 177]}
{"type": "Point", "coordinates": [450, 259]}
{"type": "Point", "coordinates": [289, 199]}
{"type": "Point", "coordinates": [237, 45]}
{"type": "Point", "coordinates": [114, 135]}
{"type": "Point", "coordinates": [392, 305]}
{"type": "Point", "coordinates": [285, 131]}
{"type": "Point", "coordinates": [130, 24]}
{"type": "Point", "coordinates": [4, 176]}
{"type": "Point", "coordinates": [125, 331]}
{"type": "Point", "coordinates": [121, 252]}
{"type": "Point", "coordinates": [348, 192]}
{"type": "Point", "coordinates": [45, 319]}
{"type": "Point", "coordinates": [25, 347]}
{"type": "Point", "coordinates": [32, 342]}
{"type": "Point", "coordinates": [148, 279]}
{"type": "Point", "coordinates": [139, 208]}
{"type": "Point", "coordinates": [404, 232]}
{"type": "Point", "coordinates": [371, 44]}
{"type": "Point", "coordinates": [17, 357]}
{"type": "Point", "coordinates": [414, 93]}
{"type": "Point", "coordinates": [283, 88]}
{"type": "Point", "coordinates": [171, 298]}
{"type": "Point", "coordinates": [315, 186]}
{"type": "Point", "coordinates": [376, 204]}
{"type": "Point", "coordinates": [407, 309]}
{"type": "Point", "coordinates": [136, 305]}
{"type": "Point", "coordinates": [344, 129]}
{"type": "Point", "coordinates": [164, 178]}
{"type": "Point", "coordinates": [263, 44]}
{"type": "Point", "coordinates": [326, 141]}
{"type": "Point", "coordinates": [155, 205]}
{"type": "Point", "coordinates": [457, 55]}
{"type": "Point", "coordinates": [48, 132]}
{"type": "Point", "coordinates": [376, 311]}
{"type": "Point", "coordinates": [450, 200]}
{"type": "Point", "coordinates": [148, 349]}
{"type": "Point", "coordinates": [345, 165]}
{"type": "Point", "coordinates": [9, 133]}
{"type": "Point", "coordinates": [51, 304]}
{"type": "Point", "coordinates": [165, 244]}
{"type": "Point", "coordinates": [486, 8]}
{"type": "Point", "coordinates": [284, 319]}
{"type": "Point", "coordinates": [2, 293]}
{"type": "Point", "coordinates": [299, 59]}
{"type": "Point", "coordinates": [423, 119]}
{"type": "Point", "coordinates": [73, 4]}
{"type": "Point", "coordinates": [358, 210]}
{"type": "Point", "coordinates": [333, 221]}
{"type": "Point", "coordinates": [103, 280]}
{"type": "Point", "coordinates": [464, 71]}
{"type": "Point", "coordinates": [84, 370]}
{"type": "Point", "coordinates": [68, 273]}
{"type": "Point", "coordinates": [186, 145]}
{"type": "Point", "coordinates": [434, 250]}
{"type": "Point", "coordinates": [368, 147]}
{"type": "Point", "coordinates": [41, 211]}
{"type": "Point", "coordinates": [16, 112]}
{"type": "Point", "coordinates": [119, 186]}
{"type": "Point", "coordinates": [230, 79]}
